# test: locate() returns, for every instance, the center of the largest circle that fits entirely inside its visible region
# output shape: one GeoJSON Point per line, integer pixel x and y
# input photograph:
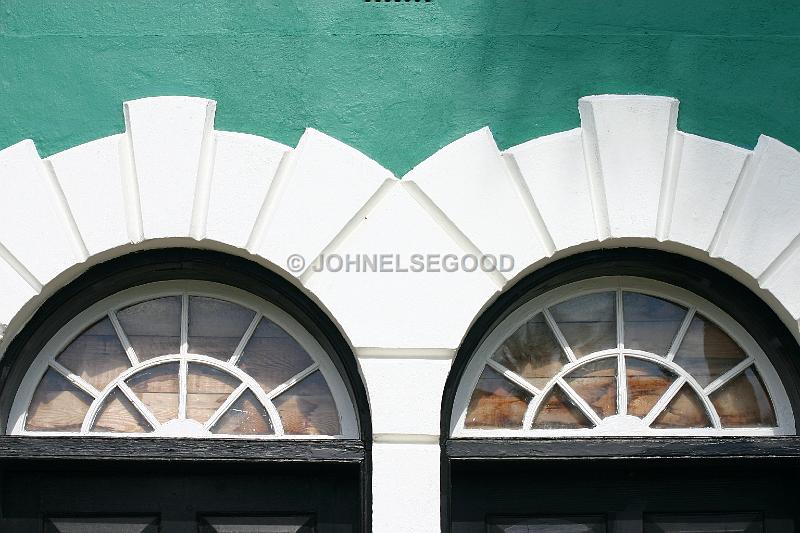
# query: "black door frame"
{"type": "Point", "coordinates": [738, 301]}
{"type": "Point", "coordinates": [178, 494]}
{"type": "Point", "coordinates": [168, 264]}
{"type": "Point", "coordinates": [626, 490]}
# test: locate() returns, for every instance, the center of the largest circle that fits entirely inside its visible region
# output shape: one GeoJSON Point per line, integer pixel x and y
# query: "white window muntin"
{"type": "Point", "coordinates": [693, 303]}
{"type": "Point", "coordinates": [122, 299]}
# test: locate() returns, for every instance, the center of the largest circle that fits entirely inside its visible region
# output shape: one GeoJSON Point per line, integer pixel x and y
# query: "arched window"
{"type": "Point", "coordinates": [622, 390]}
{"type": "Point", "coordinates": [620, 356]}
{"type": "Point", "coordinates": [191, 359]}
{"type": "Point", "coordinates": [185, 390]}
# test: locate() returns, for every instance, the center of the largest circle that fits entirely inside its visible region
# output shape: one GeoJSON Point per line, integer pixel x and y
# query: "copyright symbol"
{"type": "Point", "coordinates": [296, 263]}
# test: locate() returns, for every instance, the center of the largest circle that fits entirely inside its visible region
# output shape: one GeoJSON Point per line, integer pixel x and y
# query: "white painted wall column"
{"type": "Point", "coordinates": [405, 391]}
{"type": "Point", "coordinates": [405, 487]}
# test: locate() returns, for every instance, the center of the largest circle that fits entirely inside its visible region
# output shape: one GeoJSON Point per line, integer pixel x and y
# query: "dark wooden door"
{"type": "Point", "coordinates": [622, 496]}
{"type": "Point", "coordinates": [201, 498]}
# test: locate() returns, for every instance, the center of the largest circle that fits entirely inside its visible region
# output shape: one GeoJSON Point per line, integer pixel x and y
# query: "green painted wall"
{"type": "Point", "coordinates": [397, 80]}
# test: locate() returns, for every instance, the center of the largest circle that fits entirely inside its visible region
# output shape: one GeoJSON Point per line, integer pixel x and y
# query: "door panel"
{"type": "Point", "coordinates": [703, 523]}
{"type": "Point", "coordinates": [652, 523]}
{"type": "Point", "coordinates": [115, 524]}
{"type": "Point", "coordinates": [206, 524]}
{"type": "Point", "coordinates": [629, 496]}
{"type": "Point", "coordinates": [201, 498]}
{"type": "Point", "coordinates": [547, 524]}
{"type": "Point", "coordinates": [256, 524]}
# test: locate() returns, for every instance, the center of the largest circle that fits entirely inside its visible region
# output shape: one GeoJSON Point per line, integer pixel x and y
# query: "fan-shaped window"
{"type": "Point", "coordinates": [183, 359]}
{"type": "Point", "coordinates": [620, 356]}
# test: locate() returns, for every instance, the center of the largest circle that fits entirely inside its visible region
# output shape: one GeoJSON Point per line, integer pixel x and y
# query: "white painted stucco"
{"type": "Point", "coordinates": [626, 177]}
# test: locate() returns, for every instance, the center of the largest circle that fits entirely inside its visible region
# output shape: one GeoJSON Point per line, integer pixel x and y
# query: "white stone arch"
{"type": "Point", "coordinates": [626, 177]}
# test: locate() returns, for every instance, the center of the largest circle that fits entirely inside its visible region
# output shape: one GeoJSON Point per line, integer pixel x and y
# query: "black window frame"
{"type": "Point", "coordinates": [171, 264]}
{"type": "Point", "coordinates": [722, 290]}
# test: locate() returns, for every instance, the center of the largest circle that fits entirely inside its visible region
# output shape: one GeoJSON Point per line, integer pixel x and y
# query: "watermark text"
{"type": "Point", "coordinates": [414, 263]}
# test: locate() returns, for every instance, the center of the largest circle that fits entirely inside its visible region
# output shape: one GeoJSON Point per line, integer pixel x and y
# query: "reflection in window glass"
{"type": "Point", "coordinates": [707, 352]}
{"type": "Point", "coordinates": [588, 323]}
{"type": "Point", "coordinates": [650, 323]}
{"type": "Point", "coordinates": [96, 355]}
{"type": "Point", "coordinates": [596, 383]}
{"type": "Point", "coordinates": [198, 366]}
{"type": "Point", "coordinates": [559, 412]}
{"type": "Point", "coordinates": [681, 371]}
{"type": "Point", "coordinates": [496, 403]}
{"type": "Point", "coordinates": [532, 352]}
{"type": "Point", "coordinates": [272, 357]}
{"type": "Point", "coordinates": [216, 326]}
{"type": "Point", "coordinates": [647, 382]}
{"type": "Point", "coordinates": [57, 405]}
{"type": "Point", "coordinates": [119, 415]}
{"type": "Point", "coordinates": [157, 387]}
{"type": "Point", "coordinates": [153, 327]}
{"type": "Point", "coordinates": [686, 410]}
{"type": "Point", "coordinates": [206, 390]}
{"type": "Point", "coordinates": [247, 416]}
{"type": "Point", "coordinates": [744, 402]}
{"type": "Point", "coordinates": [308, 408]}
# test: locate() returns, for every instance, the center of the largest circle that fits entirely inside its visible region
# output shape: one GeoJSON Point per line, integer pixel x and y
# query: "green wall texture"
{"type": "Point", "coordinates": [397, 80]}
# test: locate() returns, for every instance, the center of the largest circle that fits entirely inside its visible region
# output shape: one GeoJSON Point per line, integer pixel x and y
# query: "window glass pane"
{"type": "Point", "coordinates": [685, 410]}
{"type": "Point", "coordinates": [650, 323]}
{"type": "Point", "coordinates": [496, 403]}
{"type": "Point", "coordinates": [175, 351]}
{"type": "Point", "coordinates": [558, 412]}
{"type": "Point", "coordinates": [547, 524]}
{"type": "Point", "coordinates": [96, 355]}
{"type": "Point", "coordinates": [744, 402]}
{"type": "Point", "coordinates": [588, 322]}
{"type": "Point", "coordinates": [153, 327]}
{"type": "Point", "coordinates": [532, 352]}
{"type": "Point", "coordinates": [707, 352]}
{"type": "Point", "coordinates": [216, 327]}
{"type": "Point", "coordinates": [647, 382]}
{"type": "Point", "coordinates": [271, 356]}
{"type": "Point", "coordinates": [245, 417]}
{"type": "Point", "coordinates": [207, 388]}
{"type": "Point", "coordinates": [118, 415]}
{"type": "Point", "coordinates": [57, 405]}
{"type": "Point", "coordinates": [668, 348]}
{"type": "Point", "coordinates": [157, 387]}
{"type": "Point", "coordinates": [596, 383]}
{"type": "Point", "coordinates": [703, 523]}
{"type": "Point", "coordinates": [308, 408]}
